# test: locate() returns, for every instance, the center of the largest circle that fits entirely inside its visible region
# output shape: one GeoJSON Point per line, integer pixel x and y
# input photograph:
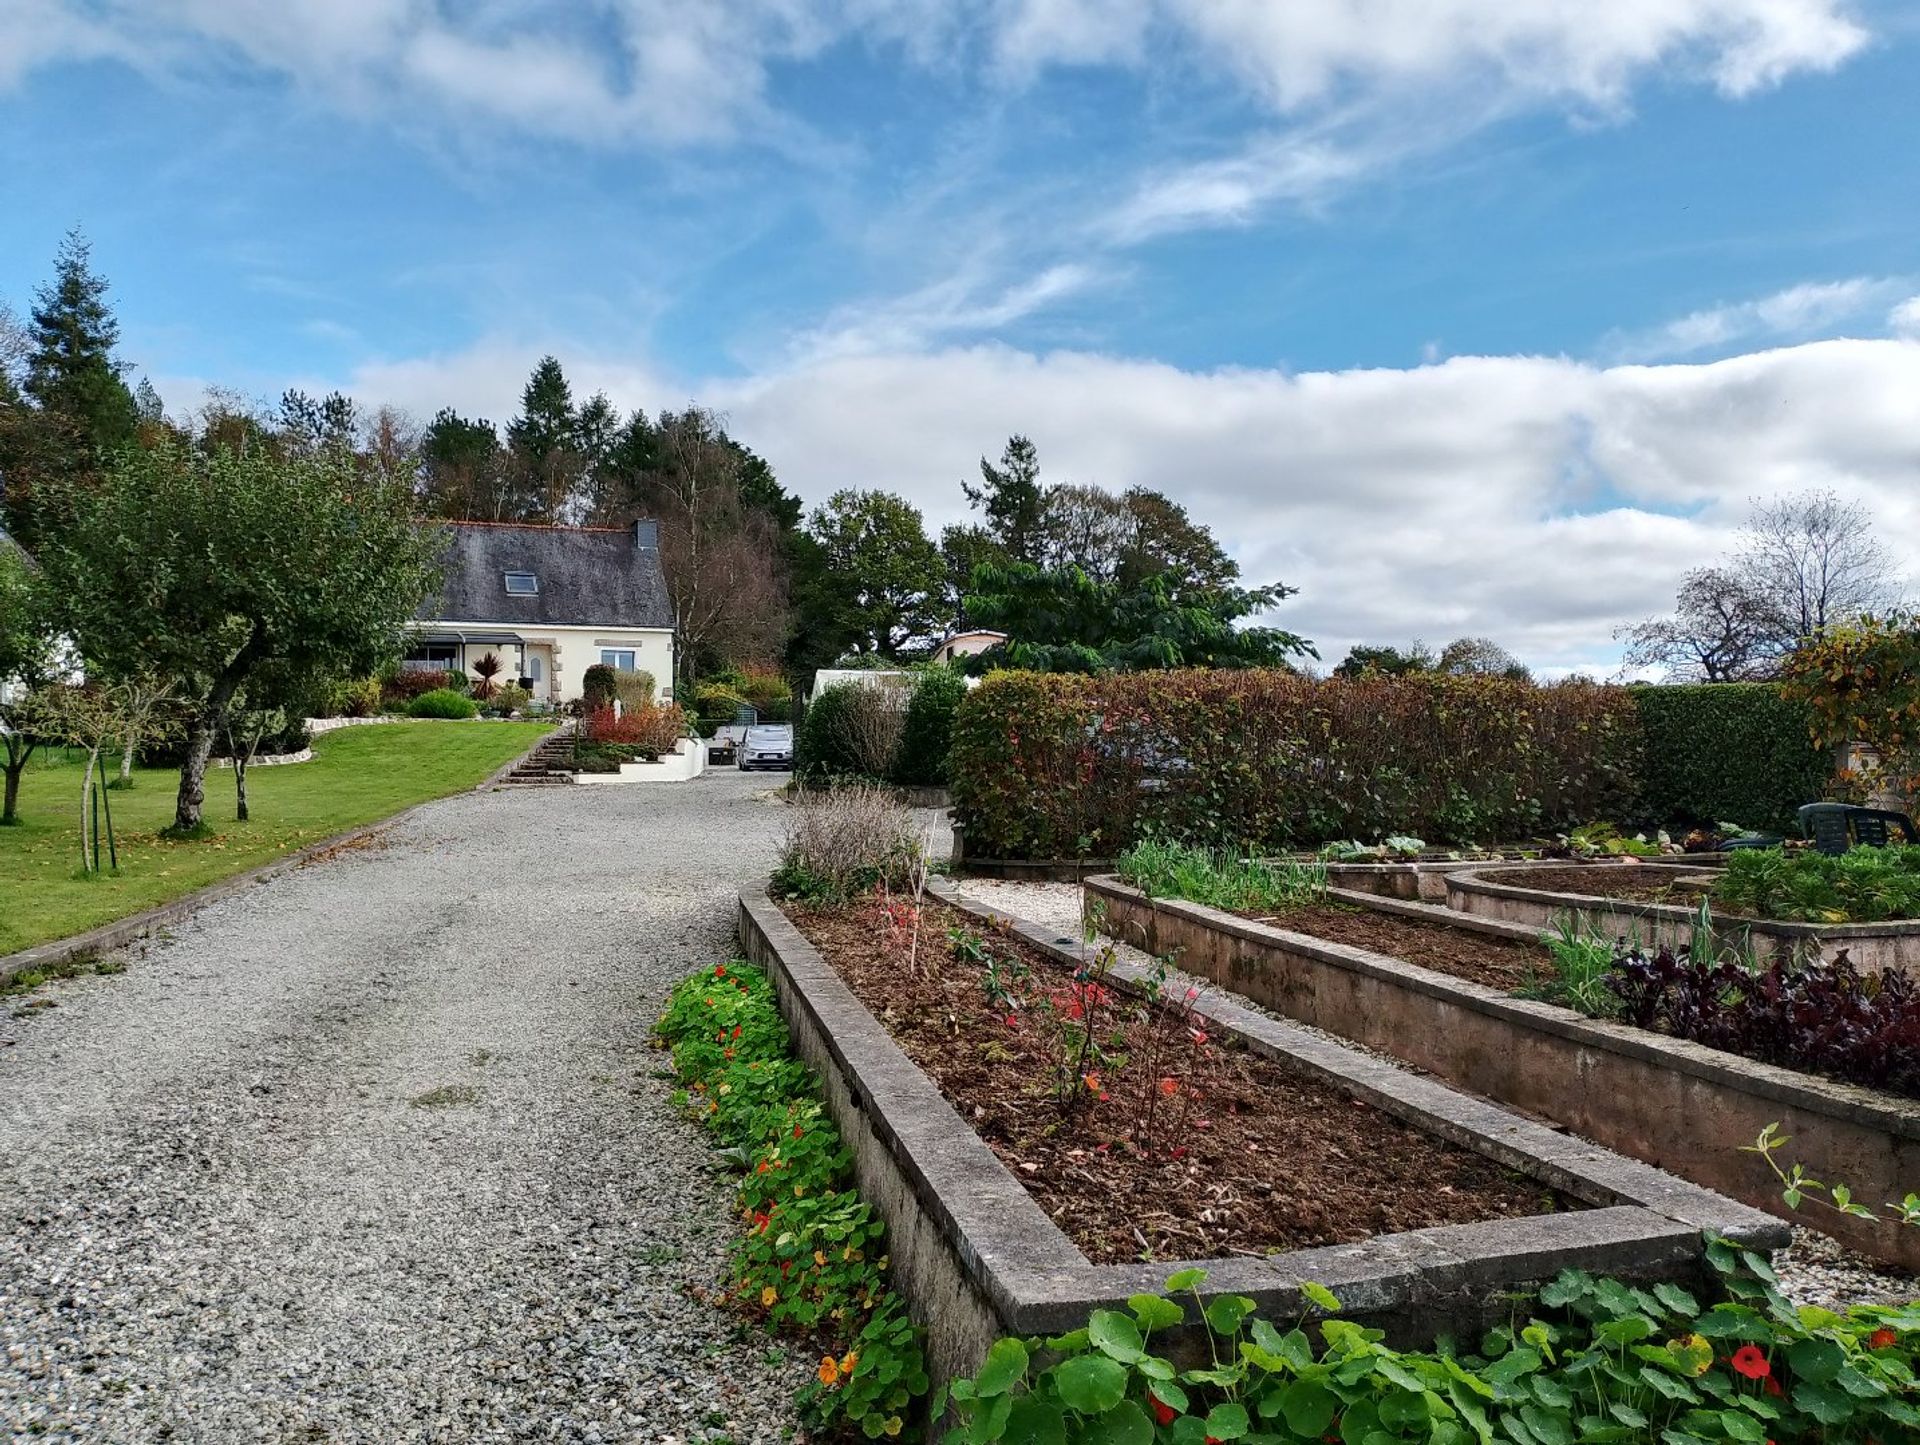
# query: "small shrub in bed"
{"type": "Point", "coordinates": [403, 687]}
{"type": "Point", "coordinates": [845, 841]}
{"type": "Point", "coordinates": [1823, 1018]}
{"type": "Point", "coordinates": [597, 688]}
{"type": "Point", "coordinates": [442, 702]}
{"type": "Point", "coordinates": [1863, 885]}
{"type": "Point", "coordinates": [926, 735]}
{"type": "Point", "coordinates": [1221, 880]}
{"type": "Point", "coordinates": [651, 730]}
{"type": "Point", "coordinates": [1594, 1360]}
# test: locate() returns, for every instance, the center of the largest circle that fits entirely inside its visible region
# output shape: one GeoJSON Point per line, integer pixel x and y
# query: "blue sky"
{"type": "Point", "coordinates": [1462, 318]}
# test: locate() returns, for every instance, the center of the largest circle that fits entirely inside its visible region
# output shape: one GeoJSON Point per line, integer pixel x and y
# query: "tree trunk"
{"type": "Point", "coordinates": [193, 776]}
{"type": "Point", "coordinates": [12, 809]}
{"type": "Point", "coordinates": [126, 759]}
{"type": "Point", "coordinates": [240, 785]}
{"type": "Point", "coordinates": [86, 797]}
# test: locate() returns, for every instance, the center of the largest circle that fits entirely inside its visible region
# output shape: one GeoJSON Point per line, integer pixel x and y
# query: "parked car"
{"type": "Point", "coordinates": [724, 745]}
{"type": "Point", "coordinates": [769, 746]}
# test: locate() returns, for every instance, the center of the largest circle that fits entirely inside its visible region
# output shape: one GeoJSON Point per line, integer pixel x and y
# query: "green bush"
{"type": "Point", "coordinates": [442, 702]}
{"type": "Point", "coordinates": [927, 738]}
{"type": "Point", "coordinates": [633, 689]}
{"type": "Point", "coordinates": [822, 745]}
{"type": "Point", "coordinates": [1734, 752]}
{"type": "Point", "coordinates": [597, 687]}
{"type": "Point", "coordinates": [1862, 885]}
{"type": "Point", "coordinates": [1052, 765]}
{"type": "Point", "coordinates": [1600, 1360]}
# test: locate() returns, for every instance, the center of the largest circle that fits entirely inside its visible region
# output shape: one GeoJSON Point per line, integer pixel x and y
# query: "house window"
{"type": "Point", "coordinates": [620, 659]}
{"type": "Point", "coordinates": [534, 673]}
{"type": "Point", "coordinates": [522, 584]}
{"type": "Point", "coordinates": [429, 657]}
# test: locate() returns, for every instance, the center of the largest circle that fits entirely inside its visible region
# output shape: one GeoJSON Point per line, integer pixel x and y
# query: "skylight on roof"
{"type": "Point", "coordinates": [522, 584]}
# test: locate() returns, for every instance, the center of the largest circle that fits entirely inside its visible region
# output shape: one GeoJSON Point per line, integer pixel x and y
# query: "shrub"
{"type": "Point", "coordinates": [717, 703]}
{"type": "Point", "coordinates": [1050, 765]}
{"type": "Point", "coordinates": [1825, 1018]}
{"type": "Point", "coordinates": [654, 729]}
{"type": "Point", "coordinates": [633, 689]}
{"type": "Point", "coordinates": [1728, 751]}
{"type": "Point", "coordinates": [486, 668]}
{"type": "Point", "coordinates": [597, 687]}
{"type": "Point", "coordinates": [1173, 870]}
{"type": "Point", "coordinates": [820, 743]}
{"type": "Point", "coordinates": [1862, 684]}
{"type": "Point", "coordinates": [442, 702]}
{"type": "Point", "coordinates": [926, 737]}
{"type": "Point", "coordinates": [1600, 1359]}
{"type": "Point", "coordinates": [1862, 885]}
{"type": "Point", "coordinates": [407, 684]}
{"type": "Point", "coordinates": [509, 700]}
{"type": "Point", "coordinates": [353, 697]}
{"type": "Point", "coordinates": [845, 841]}
{"type": "Point", "coordinates": [813, 1261]}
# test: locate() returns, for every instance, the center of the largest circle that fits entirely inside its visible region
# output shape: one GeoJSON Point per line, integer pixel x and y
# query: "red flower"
{"type": "Point", "coordinates": [1169, 1087]}
{"type": "Point", "coordinates": [1013, 1021]}
{"type": "Point", "coordinates": [1881, 1338]}
{"type": "Point", "coordinates": [1771, 1386]}
{"type": "Point", "coordinates": [1749, 1361]}
{"type": "Point", "coordinates": [796, 1131]}
{"type": "Point", "coordinates": [1165, 1414]}
{"type": "Point", "coordinates": [1199, 1037]}
{"type": "Point", "coordinates": [719, 970]}
{"type": "Point", "coordinates": [736, 1031]}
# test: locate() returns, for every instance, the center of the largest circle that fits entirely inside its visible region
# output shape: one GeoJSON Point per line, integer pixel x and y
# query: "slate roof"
{"type": "Point", "coordinates": [589, 576]}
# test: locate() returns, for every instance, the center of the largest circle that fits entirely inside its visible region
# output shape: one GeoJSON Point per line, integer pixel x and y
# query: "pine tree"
{"type": "Point", "coordinates": [1011, 496]}
{"type": "Point", "coordinates": [71, 371]}
{"type": "Point", "coordinates": [147, 404]}
{"type": "Point", "coordinates": [543, 441]}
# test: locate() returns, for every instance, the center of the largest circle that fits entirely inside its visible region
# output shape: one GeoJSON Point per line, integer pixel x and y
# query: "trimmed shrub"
{"type": "Point", "coordinates": [852, 730]}
{"type": "Point", "coordinates": [845, 841]}
{"type": "Point", "coordinates": [442, 702]}
{"type": "Point", "coordinates": [717, 703]}
{"type": "Point", "coordinates": [1052, 765]}
{"type": "Point", "coordinates": [927, 737]}
{"type": "Point", "coordinates": [820, 743]}
{"type": "Point", "coordinates": [1737, 752]}
{"type": "Point", "coordinates": [403, 687]}
{"type": "Point", "coordinates": [597, 687]}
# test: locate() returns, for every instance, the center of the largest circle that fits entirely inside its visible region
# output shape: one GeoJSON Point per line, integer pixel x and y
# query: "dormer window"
{"type": "Point", "coordinates": [522, 584]}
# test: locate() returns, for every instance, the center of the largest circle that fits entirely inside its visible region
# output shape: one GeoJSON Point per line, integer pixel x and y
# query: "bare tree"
{"type": "Point", "coordinates": [1814, 560]}
{"type": "Point", "coordinates": [1723, 630]}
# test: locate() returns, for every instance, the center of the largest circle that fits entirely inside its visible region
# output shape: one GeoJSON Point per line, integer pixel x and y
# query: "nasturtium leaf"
{"type": "Point", "coordinates": [1005, 1367]}
{"type": "Point", "coordinates": [1514, 1366]}
{"type": "Point", "coordinates": [1320, 1295]}
{"type": "Point", "coordinates": [1815, 1360]}
{"type": "Point", "coordinates": [1858, 1385]}
{"type": "Point", "coordinates": [1676, 1299]}
{"type": "Point", "coordinates": [1403, 1408]}
{"type": "Point", "coordinates": [1155, 1368]}
{"type": "Point", "coordinates": [1185, 1280]}
{"type": "Point", "coordinates": [1626, 1330]}
{"type": "Point", "coordinates": [1551, 1393]}
{"type": "Point", "coordinates": [1125, 1424]}
{"type": "Point", "coordinates": [1742, 1427]}
{"type": "Point", "coordinates": [989, 1421]}
{"type": "Point", "coordinates": [1829, 1407]}
{"type": "Point", "coordinates": [1090, 1384]}
{"type": "Point", "coordinates": [1189, 1430]}
{"type": "Point", "coordinates": [1170, 1394]}
{"type": "Point", "coordinates": [1227, 1421]}
{"type": "Point", "coordinates": [1034, 1421]}
{"type": "Point", "coordinates": [1308, 1407]}
{"type": "Point", "coordinates": [1225, 1313]}
{"type": "Point", "coordinates": [1551, 1426]}
{"type": "Point", "coordinates": [1071, 1343]}
{"type": "Point", "coordinates": [1627, 1415]}
{"type": "Point", "coordinates": [1154, 1312]}
{"type": "Point", "coordinates": [1666, 1384]}
{"type": "Point", "coordinates": [1115, 1335]}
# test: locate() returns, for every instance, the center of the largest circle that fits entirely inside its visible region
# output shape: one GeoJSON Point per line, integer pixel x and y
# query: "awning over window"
{"type": "Point", "coordinates": [472, 639]}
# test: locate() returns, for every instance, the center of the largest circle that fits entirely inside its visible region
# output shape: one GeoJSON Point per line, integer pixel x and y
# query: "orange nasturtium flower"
{"type": "Point", "coordinates": [769, 1295]}
{"type": "Point", "coordinates": [829, 1371]}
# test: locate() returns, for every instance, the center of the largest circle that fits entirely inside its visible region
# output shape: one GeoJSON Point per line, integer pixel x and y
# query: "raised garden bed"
{"type": "Point", "coordinates": [1498, 960]}
{"type": "Point", "coordinates": [1426, 878]}
{"type": "Point", "coordinates": [1499, 893]}
{"type": "Point", "coordinates": [1672, 1103]}
{"type": "Point", "coordinates": [978, 1254]}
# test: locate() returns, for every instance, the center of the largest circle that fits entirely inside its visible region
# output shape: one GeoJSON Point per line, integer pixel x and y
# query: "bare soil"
{"type": "Point", "coordinates": [1496, 962]}
{"type": "Point", "coordinates": [1603, 880]}
{"type": "Point", "coordinates": [1164, 1144]}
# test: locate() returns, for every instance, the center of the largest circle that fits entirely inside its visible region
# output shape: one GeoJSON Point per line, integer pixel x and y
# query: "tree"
{"type": "Point", "coordinates": [71, 370]}
{"type": "Point", "coordinates": [462, 469]}
{"type": "Point", "coordinates": [1010, 496]}
{"type": "Point", "coordinates": [1805, 564]}
{"type": "Point", "coordinates": [208, 566]}
{"type": "Point", "coordinates": [1163, 541]}
{"type": "Point", "coordinates": [29, 657]}
{"type": "Point", "coordinates": [1481, 657]}
{"type": "Point", "coordinates": [1388, 661]}
{"type": "Point", "coordinates": [884, 577]}
{"type": "Point", "coordinates": [1065, 621]}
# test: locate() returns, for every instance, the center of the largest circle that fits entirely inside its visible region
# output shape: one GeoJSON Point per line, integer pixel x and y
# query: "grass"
{"type": "Point", "coordinates": [1221, 880]}
{"type": "Point", "coordinates": [358, 775]}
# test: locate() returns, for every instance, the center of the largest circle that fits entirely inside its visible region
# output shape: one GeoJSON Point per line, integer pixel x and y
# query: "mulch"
{"type": "Point", "coordinates": [1602, 880]}
{"type": "Point", "coordinates": [1182, 1148]}
{"type": "Point", "coordinates": [1502, 963]}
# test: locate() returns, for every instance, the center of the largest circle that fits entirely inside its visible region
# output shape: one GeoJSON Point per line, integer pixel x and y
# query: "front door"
{"type": "Point", "coordinates": [540, 670]}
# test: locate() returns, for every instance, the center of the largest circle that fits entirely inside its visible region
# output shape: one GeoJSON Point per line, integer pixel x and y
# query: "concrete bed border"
{"type": "Point", "coordinates": [977, 1257]}
{"type": "Point", "coordinates": [1674, 1104]}
{"type": "Point", "coordinates": [123, 932]}
{"type": "Point", "coordinates": [1871, 946]}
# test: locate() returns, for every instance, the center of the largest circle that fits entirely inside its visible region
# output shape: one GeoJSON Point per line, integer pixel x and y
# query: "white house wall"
{"type": "Point", "coordinates": [573, 650]}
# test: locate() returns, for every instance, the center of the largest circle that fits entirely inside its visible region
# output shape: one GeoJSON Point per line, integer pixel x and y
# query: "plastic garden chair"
{"type": "Point", "coordinates": [1837, 827]}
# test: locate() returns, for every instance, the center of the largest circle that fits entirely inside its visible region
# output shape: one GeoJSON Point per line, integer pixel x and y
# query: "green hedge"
{"type": "Point", "coordinates": [1051, 765]}
{"type": "Point", "coordinates": [1734, 752]}
{"type": "Point", "coordinates": [820, 747]}
{"type": "Point", "coordinates": [927, 739]}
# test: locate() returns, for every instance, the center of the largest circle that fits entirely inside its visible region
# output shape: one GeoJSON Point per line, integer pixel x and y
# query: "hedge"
{"type": "Point", "coordinates": [927, 738]}
{"type": "Point", "coordinates": [1734, 752]}
{"type": "Point", "coordinates": [1051, 765]}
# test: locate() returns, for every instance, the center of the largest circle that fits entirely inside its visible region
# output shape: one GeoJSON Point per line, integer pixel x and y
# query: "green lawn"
{"type": "Point", "coordinates": [357, 775]}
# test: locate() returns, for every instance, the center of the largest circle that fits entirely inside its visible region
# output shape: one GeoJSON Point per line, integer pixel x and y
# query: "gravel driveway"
{"type": "Point", "coordinates": [376, 1151]}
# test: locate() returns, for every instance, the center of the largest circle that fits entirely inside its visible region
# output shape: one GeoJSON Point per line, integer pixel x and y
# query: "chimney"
{"type": "Point", "coordinates": [646, 535]}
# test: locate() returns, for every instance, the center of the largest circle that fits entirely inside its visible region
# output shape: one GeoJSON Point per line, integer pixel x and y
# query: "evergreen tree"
{"type": "Point", "coordinates": [543, 445]}
{"type": "Point", "coordinates": [462, 469]}
{"type": "Point", "coordinates": [1011, 497]}
{"type": "Point", "coordinates": [71, 371]}
{"type": "Point", "coordinates": [147, 404]}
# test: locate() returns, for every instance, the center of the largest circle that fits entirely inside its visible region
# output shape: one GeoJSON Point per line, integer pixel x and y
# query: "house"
{"type": "Point", "coordinates": [967, 644]}
{"type": "Point", "coordinates": [549, 602]}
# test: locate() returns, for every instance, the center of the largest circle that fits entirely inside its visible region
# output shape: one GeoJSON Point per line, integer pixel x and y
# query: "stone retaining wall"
{"type": "Point", "coordinates": [1675, 1104]}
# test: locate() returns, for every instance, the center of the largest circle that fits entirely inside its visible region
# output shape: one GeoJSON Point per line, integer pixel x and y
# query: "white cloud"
{"type": "Point", "coordinates": [1905, 318]}
{"type": "Point", "coordinates": [963, 304]}
{"type": "Point", "coordinates": [1796, 313]}
{"type": "Point", "coordinates": [1537, 500]}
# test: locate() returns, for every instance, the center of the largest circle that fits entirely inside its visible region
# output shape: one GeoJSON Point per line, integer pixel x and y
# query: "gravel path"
{"type": "Point", "coordinates": [1814, 1270]}
{"type": "Point", "coordinates": [377, 1151]}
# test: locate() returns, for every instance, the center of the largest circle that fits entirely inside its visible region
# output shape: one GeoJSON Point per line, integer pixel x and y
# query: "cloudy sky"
{"type": "Point", "coordinates": [1460, 316]}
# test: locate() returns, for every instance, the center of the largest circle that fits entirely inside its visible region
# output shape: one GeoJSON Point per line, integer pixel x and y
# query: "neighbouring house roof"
{"type": "Point", "coordinates": [583, 577]}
